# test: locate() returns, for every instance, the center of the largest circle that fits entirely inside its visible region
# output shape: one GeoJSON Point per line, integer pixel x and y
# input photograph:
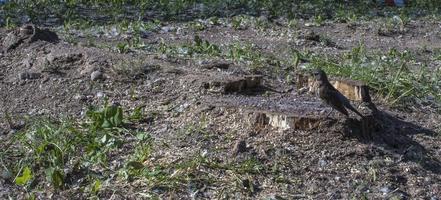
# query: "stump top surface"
{"type": "Point", "coordinates": [289, 105]}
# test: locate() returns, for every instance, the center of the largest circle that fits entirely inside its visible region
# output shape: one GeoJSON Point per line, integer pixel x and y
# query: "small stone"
{"type": "Point", "coordinates": [182, 107]}
{"type": "Point", "coordinates": [100, 94]}
{"type": "Point", "coordinates": [80, 97]}
{"type": "Point", "coordinates": [166, 29]}
{"type": "Point", "coordinates": [427, 179]}
{"type": "Point", "coordinates": [6, 175]}
{"type": "Point", "coordinates": [50, 58]}
{"type": "Point", "coordinates": [27, 63]}
{"type": "Point", "coordinates": [263, 18]}
{"type": "Point", "coordinates": [204, 153]}
{"type": "Point", "coordinates": [240, 147]}
{"type": "Point", "coordinates": [12, 131]}
{"type": "Point", "coordinates": [88, 69]}
{"type": "Point", "coordinates": [96, 75]}
{"type": "Point", "coordinates": [322, 163]}
{"type": "Point", "coordinates": [115, 104]}
{"type": "Point", "coordinates": [385, 190]}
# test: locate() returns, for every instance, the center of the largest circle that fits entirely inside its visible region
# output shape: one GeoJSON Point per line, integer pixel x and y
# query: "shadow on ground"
{"type": "Point", "coordinates": [395, 136]}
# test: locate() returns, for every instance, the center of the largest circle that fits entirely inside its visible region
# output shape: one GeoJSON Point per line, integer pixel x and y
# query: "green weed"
{"type": "Point", "coordinates": [116, 11]}
{"type": "Point", "coordinates": [198, 47]}
{"type": "Point", "coordinates": [43, 150]}
{"type": "Point", "coordinates": [389, 74]}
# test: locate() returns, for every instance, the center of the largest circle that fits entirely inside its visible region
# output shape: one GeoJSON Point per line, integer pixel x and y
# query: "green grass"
{"type": "Point", "coordinates": [47, 153]}
{"type": "Point", "coordinates": [53, 154]}
{"type": "Point", "coordinates": [395, 75]}
{"type": "Point", "coordinates": [46, 148]}
{"type": "Point", "coordinates": [393, 78]}
{"type": "Point", "coordinates": [111, 11]}
{"type": "Point", "coordinates": [197, 47]}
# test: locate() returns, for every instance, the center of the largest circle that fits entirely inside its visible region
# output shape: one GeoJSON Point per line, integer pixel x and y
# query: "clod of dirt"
{"type": "Point", "coordinates": [11, 41]}
{"type": "Point", "coordinates": [6, 175]}
{"type": "Point", "coordinates": [27, 34]}
{"type": "Point", "coordinates": [215, 64]}
{"type": "Point", "coordinates": [239, 147]}
{"type": "Point", "coordinates": [27, 62]}
{"type": "Point", "coordinates": [53, 58]}
{"type": "Point", "coordinates": [88, 69]}
{"type": "Point", "coordinates": [274, 197]}
{"type": "Point", "coordinates": [80, 97]}
{"type": "Point", "coordinates": [96, 75]}
{"type": "Point", "coordinates": [58, 61]}
{"type": "Point", "coordinates": [29, 75]}
{"type": "Point", "coordinates": [310, 35]}
{"type": "Point", "coordinates": [249, 185]}
{"type": "Point", "coordinates": [389, 32]}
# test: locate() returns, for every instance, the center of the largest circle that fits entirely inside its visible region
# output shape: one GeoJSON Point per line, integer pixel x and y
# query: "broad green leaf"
{"type": "Point", "coordinates": [25, 177]}
{"type": "Point", "coordinates": [96, 187]}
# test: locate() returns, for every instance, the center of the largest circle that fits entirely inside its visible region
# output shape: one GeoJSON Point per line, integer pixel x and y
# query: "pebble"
{"type": "Point", "coordinates": [322, 163]}
{"type": "Point", "coordinates": [182, 107]}
{"type": "Point", "coordinates": [166, 29]}
{"type": "Point", "coordinates": [385, 190]}
{"type": "Point", "coordinates": [96, 75]}
{"type": "Point", "coordinates": [427, 179]}
{"type": "Point", "coordinates": [100, 94]}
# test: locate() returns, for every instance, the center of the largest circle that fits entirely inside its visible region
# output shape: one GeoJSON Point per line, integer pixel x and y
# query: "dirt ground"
{"type": "Point", "coordinates": [50, 77]}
